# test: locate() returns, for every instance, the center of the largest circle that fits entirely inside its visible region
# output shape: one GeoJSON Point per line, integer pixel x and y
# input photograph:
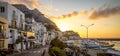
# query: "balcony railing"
{"type": "Point", "coordinates": [12, 26]}
{"type": "Point", "coordinates": [27, 29]}
{"type": "Point", "coordinates": [21, 28]}
{"type": "Point", "coordinates": [2, 35]}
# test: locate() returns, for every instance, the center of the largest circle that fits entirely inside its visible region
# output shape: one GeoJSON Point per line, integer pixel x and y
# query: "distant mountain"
{"type": "Point", "coordinates": [37, 15]}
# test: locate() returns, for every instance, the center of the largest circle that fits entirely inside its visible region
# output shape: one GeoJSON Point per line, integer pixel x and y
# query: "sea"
{"type": "Point", "coordinates": [116, 44]}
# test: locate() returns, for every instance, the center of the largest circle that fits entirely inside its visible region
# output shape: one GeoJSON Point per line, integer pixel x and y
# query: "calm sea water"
{"type": "Point", "coordinates": [116, 43]}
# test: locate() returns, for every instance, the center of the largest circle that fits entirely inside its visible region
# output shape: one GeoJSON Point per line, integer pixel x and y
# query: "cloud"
{"type": "Point", "coordinates": [104, 12]}
{"type": "Point", "coordinates": [83, 12]}
{"type": "Point", "coordinates": [29, 3]}
{"type": "Point", "coordinates": [74, 13]}
{"type": "Point", "coordinates": [32, 4]}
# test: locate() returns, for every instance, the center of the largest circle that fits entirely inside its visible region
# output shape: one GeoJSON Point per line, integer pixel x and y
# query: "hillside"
{"type": "Point", "coordinates": [37, 15]}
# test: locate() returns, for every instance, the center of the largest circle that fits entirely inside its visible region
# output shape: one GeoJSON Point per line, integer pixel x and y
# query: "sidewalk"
{"type": "Point", "coordinates": [32, 52]}
{"type": "Point", "coordinates": [15, 53]}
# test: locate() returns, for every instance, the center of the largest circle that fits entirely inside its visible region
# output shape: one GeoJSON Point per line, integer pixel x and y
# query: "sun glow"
{"type": "Point", "coordinates": [63, 28]}
{"type": "Point", "coordinates": [63, 24]}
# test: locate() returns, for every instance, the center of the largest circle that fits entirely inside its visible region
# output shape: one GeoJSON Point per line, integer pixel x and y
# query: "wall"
{"type": "Point", "coordinates": [8, 14]}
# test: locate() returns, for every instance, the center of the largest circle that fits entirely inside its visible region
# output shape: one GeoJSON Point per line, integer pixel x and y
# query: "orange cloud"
{"type": "Point", "coordinates": [68, 15]}
{"type": "Point", "coordinates": [29, 3]}
{"type": "Point", "coordinates": [104, 12]}
{"type": "Point", "coordinates": [94, 14]}
{"type": "Point", "coordinates": [83, 12]}
{"type": "Point", "coordinates": [74, 13]}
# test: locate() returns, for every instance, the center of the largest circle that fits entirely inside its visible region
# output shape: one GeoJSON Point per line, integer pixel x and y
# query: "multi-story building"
{"type": "Point", "coordinates": [23, 24]}
{"type": "Point", "coordinates": [37, 28]}
{"type": "Point", "coordinates": [15, 21]}
{"type": "Point", "coordinates": [43, 34]}
{"type": "Point", "coordinates": [51, 35]}
{"type": "Point", "coordinates": [3, 32]}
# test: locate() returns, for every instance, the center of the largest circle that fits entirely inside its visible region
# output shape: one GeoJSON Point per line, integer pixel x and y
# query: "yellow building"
{"type": "Point", "coordinates": [3, 33]}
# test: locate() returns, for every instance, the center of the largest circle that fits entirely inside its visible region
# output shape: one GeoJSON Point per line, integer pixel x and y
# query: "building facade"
{"type": "Point", "coordinates": [15, 21]}
{"type": "Point", "coordinates": [3, 33]}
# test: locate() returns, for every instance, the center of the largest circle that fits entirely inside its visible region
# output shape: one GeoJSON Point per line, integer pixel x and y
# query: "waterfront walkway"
{"type": "Point", "coordinates": [94, 52]}
{"type": "Point", "coordinates": [32, 52]}
{"type": "Point", "coordinates": [113, 52]}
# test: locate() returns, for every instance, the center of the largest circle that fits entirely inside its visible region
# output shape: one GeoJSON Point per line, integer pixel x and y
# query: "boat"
{"type": "Point", "coordinates": [105, 45]}
{"type": "Point", "coordinates": [91, 44]}
{"type": "Point", "coordinates": [97, 45]}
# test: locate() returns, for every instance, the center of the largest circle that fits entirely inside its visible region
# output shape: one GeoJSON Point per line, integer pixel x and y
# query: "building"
{"type": "Point", "coordinates": [44, 34]}
{"type": "Point", "coordinates": [3, 33]}
{"type": "Point", "coordinates": [38, 26]}
{"type": "Point", "coordinates": [15, 21]}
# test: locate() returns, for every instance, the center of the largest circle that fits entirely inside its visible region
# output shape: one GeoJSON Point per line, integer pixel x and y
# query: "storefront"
{"type": "Point", "coordinates": [3, 33]}
{"type": "Point", "coordinates": [3, 43]}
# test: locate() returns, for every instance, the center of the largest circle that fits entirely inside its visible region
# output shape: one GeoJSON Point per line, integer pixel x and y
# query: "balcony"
{"type": "Point", "coordinates": [2, 36]}
{"type": "Point", "coordinates": [12, 26]}
{"type": "Point", "coordinates": [27, 29]}
{"type": "Point", "coordinates": [21, 28]}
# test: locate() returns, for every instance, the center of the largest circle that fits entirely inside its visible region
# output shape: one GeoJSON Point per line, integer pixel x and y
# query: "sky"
{"type": "Point", "coordinates": [71, 14]}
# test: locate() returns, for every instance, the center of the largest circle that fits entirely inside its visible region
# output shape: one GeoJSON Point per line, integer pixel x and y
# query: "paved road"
{"type": "Point", "coordinates": [33, 52]}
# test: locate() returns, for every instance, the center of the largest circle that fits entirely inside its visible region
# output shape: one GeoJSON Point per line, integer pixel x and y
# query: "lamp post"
{"type": "Point", "coordinates": [87, 27]}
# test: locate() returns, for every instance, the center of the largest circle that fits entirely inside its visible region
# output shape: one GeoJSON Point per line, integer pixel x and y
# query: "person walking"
{"type": "Point", "coordinates": [3, 52]}
{"type": "Point", "coordinates": [43, 54]}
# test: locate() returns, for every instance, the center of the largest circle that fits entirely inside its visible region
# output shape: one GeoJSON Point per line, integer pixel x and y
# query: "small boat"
{"type": "Point", "coordinates": [91, 44]}
{"type": "Point", "coordinates": [98, 45]}
{"type": "Point", "coordinates": [105, 45]}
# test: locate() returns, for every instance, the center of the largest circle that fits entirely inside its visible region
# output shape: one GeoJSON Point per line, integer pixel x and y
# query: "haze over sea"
{"type": "Point", "coordinates": [116, 44]}
{"type": "Point", "coordinates": [115, 41]}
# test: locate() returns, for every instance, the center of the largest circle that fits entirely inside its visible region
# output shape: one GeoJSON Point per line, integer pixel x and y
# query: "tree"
{"type": "Point", "coordinates": [56, 51]}
{"type": "Point", "coordinates": [57, 43]}
{"type": "Point", "coordinates": [18, 40]}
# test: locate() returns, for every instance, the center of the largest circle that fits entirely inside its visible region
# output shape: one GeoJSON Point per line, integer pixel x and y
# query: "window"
{"type": "Point", "coordinates": [13, 15]}
{"type": "Point", "coordinates": [1, 31]}
{"type": "Point", "coordinates": [14, 23]}
{"type": "Point", "coordinates": [1, 43]}
{"type": "Point", "coordinates": [2, 9]}
{"type": "Point", "coordinates": [21, 22]}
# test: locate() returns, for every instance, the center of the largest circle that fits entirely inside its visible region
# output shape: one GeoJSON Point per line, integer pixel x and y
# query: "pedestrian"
{"type": "Point", "coordinates": [10, 50]}
{"type": "Point", "coordinates": [4, 52]}
{"type": "Point", "coordinates": [43, 52]}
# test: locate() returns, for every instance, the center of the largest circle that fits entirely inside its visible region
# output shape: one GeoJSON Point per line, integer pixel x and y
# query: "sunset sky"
{"type": "Point", "coordinates": [70, 14]}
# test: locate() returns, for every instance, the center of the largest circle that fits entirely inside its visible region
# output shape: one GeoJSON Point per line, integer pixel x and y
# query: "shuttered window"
{"type": "Point", "coordinates": [2, 9]}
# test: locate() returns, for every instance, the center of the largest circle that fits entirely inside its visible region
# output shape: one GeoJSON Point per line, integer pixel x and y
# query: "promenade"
{"type": "Point", "coordinates": [32, 52]}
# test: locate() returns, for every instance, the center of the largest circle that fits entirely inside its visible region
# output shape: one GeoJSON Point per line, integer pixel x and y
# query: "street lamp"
{"type": "Point", "coordinates": [87, 27]}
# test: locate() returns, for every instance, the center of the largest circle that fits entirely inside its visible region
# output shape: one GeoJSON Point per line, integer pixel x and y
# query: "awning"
{"type": "Point", "coordinates": [3, 20]}
{"type": "Point", "coordinates": [29, 34]}
{"type": "Point", "coordinates": [36, 42]}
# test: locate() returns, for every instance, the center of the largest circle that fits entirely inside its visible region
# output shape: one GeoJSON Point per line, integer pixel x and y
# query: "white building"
{"type": "Point", "coordinates": [44, 34]}
{"type": "Point", "coordinates": [40, 33]}
{"type": "Point", "coordinates": [52, 34]}
{"type": "Point", "coordinates": [14, 17]}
